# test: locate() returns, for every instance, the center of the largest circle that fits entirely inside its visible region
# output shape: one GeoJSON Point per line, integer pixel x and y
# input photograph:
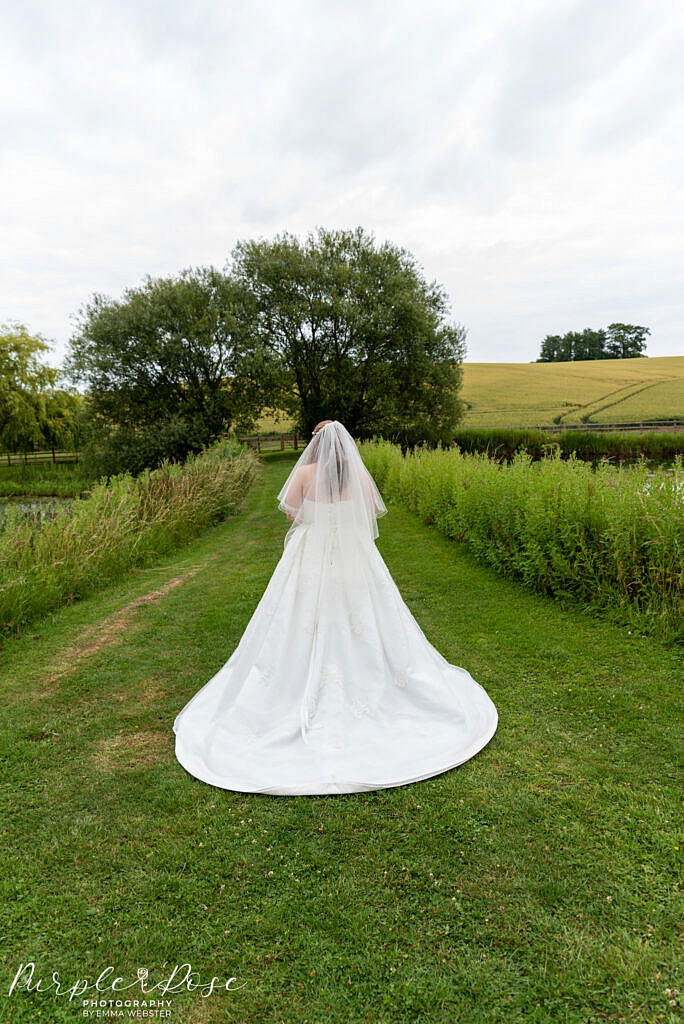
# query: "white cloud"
{"type": "Point", "coordinates": [528, 155]}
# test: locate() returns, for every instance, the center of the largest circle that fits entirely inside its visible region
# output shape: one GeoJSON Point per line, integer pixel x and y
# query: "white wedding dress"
{"type": "Point", "coordinates": [333, 688]}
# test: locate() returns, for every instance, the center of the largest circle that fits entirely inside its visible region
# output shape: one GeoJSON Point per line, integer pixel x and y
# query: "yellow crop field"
{"type": "Point", "coordinates": [607, 390]}
{"type": "Point", "coordinates": [268, 424]}
{"type": "Point", "coordinates": [527, 394]}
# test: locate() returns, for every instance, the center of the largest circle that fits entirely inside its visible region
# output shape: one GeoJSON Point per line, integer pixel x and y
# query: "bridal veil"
{"type": "Point", "coordinates": [328, 472]}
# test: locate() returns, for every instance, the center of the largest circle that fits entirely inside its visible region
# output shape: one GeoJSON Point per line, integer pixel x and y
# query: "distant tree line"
{"type": "Point", "coordinates": [617, 341]}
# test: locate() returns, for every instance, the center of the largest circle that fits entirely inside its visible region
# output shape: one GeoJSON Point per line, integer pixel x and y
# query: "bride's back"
{"type": "Point", "coordinates": [312, 489]}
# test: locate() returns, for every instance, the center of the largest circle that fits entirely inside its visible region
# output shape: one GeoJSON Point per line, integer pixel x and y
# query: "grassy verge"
{"type": "Point", "coordinates": [125, 522]}
{"type": "Point", "coordinates": [537, 883]}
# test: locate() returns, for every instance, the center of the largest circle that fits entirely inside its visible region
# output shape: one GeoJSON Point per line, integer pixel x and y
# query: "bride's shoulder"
{"type": "Point", "coordinates": [302, 479]}
{"type": "Point", "coordinates": [307, 471]}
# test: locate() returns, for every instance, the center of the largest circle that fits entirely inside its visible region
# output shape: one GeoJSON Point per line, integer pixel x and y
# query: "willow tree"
{"type": "Point", "coordinates": [34, 412]}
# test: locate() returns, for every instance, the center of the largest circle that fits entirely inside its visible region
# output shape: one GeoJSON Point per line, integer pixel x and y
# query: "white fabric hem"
{"type": "Point", "coordinates": [332, 786]}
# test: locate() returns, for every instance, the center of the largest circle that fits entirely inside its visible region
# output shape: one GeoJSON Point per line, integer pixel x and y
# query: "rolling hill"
{"type": "Point", "coordinates": [597, 390]}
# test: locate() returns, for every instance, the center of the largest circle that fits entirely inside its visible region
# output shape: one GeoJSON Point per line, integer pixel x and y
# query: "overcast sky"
{"type": "Point", "coordinates": [530, 154]}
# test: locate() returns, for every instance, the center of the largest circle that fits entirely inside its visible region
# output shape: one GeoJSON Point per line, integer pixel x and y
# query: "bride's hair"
{"type": "Point", "coordinates": [340, 458]}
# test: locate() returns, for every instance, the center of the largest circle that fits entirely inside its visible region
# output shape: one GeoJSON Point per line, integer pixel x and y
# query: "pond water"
{"type": "Point", "coordinates": [679, 485]}
{"type": "Point", "coordinates": [38, 510]}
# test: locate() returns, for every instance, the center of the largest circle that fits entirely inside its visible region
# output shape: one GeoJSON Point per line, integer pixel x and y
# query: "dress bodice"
{"type": "Point", "coordinates": [324, 513]}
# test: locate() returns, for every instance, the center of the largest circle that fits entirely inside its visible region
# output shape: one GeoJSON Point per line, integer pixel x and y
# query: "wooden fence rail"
{"type": "Point", "coordinates": [675, 425]}
{"type": "Point", "coordinates": [32, 458]}
{"type": "Point", "coordinates": [271, 442]}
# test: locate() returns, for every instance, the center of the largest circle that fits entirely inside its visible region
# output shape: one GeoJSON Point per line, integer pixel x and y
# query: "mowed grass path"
{"type": "Point", "coordinates": [537, 882]}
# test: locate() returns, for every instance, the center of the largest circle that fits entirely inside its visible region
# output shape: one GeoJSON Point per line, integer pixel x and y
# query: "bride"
{"type": "Point", "coordinates": [333, 687]}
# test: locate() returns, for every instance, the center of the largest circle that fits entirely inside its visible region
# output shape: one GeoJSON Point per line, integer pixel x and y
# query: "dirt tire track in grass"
{"type": "Point", "coordinates": [111, 630]}
{"type": "Point", "coordinates": [623, 398]}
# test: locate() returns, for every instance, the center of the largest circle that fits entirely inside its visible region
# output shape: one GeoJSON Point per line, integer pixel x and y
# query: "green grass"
{"type": "Point", "coordinates": [538, 882]}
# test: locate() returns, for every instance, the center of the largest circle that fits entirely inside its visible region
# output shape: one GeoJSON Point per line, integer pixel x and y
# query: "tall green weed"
{"type": "Point", "coordinates": [128, 521]}
{"type": "Point", "coordinates": [611, 538]}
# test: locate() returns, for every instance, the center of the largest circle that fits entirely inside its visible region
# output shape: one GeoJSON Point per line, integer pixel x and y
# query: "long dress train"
{"type": "Point", "coordinates": [333, 687]}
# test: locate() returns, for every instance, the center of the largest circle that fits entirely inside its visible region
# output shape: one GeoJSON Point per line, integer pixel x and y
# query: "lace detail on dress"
{"type": "Point", "coordinates": [358, 622]}
{"type": "Point", "coordinates": [359, 709]}
{"type": "Point", "coordinates": [401, 677]}
{"type": "Point", "coordinates": [362, 623]}
{"type": "Point", "coordinates": [265, 673]}
{"type": "Point", "coordinates": [307, 579]}
{"type": "Point", "coordinates": [331, 676]}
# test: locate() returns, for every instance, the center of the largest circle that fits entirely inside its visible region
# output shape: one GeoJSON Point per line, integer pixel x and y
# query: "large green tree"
{"type": "Point", "coordinates": [167, 368]}
{"type": "Point", "coordinates": [357, 332]}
